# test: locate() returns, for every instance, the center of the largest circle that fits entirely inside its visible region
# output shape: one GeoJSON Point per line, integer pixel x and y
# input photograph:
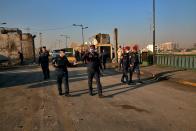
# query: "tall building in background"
{"type": "Point", "coordinates": [168, 46]}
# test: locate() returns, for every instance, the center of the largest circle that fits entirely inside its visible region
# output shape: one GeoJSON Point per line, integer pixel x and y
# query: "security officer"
{"type": "Point", "coordinates": [93, 69]}
{"type": "Point", "coordinates": [125, 65]}
{"type": "Point", "coordinates": [103, 58]}
{"type": "Point", "coordinates": [61, 62]}
{"type": "Point", "coordinates": [21, 57]}
{"type": "Point", "coordinates": [44, 62]}
{"type": "Point", "coordinates": [135, 64]}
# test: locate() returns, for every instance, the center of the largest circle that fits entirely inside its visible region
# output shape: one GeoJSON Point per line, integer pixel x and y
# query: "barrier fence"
{"type": "Point", "coordinates": [178, 61]}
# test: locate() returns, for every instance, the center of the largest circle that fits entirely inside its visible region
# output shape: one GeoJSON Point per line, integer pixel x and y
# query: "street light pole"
{"type": "Point", "coordinates": [82, 31]}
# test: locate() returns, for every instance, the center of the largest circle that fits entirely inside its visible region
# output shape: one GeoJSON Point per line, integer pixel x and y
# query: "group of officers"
{"type": "Point", "coordinates": [129, 62]}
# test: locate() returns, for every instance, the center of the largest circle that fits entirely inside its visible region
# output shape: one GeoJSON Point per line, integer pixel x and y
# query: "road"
{"type": "Point", "coordinates": [30, 104]}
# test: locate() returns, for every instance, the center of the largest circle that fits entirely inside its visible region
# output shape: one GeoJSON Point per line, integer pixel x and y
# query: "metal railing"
{"type": "Point", "coordinates": [178, 61]}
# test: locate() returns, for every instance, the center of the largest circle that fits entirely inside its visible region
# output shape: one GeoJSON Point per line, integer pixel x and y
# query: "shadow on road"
{"type": "Point", "coordinates": [35, 79]}
{"type": "Point", "coordinates": [111, 88]}
{"type": "Point", "coordinates": [15, 79]}
{"type": "Point", "coordinates": [74, 76]}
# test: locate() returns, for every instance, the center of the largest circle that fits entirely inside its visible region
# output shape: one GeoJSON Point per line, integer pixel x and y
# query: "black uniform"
{"type": "Point", "coordinates": [93, 69]}
{"type": "Point", "coordinates": [21, 57]}
{"type": "Point", "coordinates": [104, 59]}
{"type": "Point", "coordinates": [44, 62]}
{"type": "Point", "coordinates": [126, 67]}
{"type": "Point", "coordinates": [135, 61]}
{"type": "Point", "coordinates": [61, 64]}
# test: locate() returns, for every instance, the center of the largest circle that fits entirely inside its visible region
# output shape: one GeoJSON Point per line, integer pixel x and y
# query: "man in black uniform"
{"type": "Point", "coordinates": [61, 62]}
{"type": "Point", "coordinates": [135, 64]}
{"type": "Point", "coordinates": [104, 58]}
{"type": "Point", "coordinates": [21, 57]}
{"type": "Point", "coordinates": [93, 69]}
{"type": "Point", "coordinates": [44, 62]}
{"type": "Point", "coordinates": [125, 65]}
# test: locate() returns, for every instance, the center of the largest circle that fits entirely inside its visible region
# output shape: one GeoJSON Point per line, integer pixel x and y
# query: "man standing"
{"type": "Point", "coordinates": [21, 57]}
{"type": "Point", "coordinates": [61, 62]}
{"type": "Point", "coordinates": [119, 53]}
{"type": "Point", "coordinates": [125, 65]}
{"type": "Point", "coordinates": [93, 69]}
{"type": "Point", "coordinates": [104, 58]}
{"type": "Point", "coordinates": [44, 62]}
{"type": "Point", "coordinates": [135, 64]}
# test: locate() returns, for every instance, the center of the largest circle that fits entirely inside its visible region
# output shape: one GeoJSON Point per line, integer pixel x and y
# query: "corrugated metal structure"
{"type": "Point", "coordinates": [178, 61]}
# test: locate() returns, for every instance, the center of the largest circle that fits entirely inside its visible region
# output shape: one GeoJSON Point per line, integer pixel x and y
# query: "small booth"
{"type": "Point", "coordinates": [106, 47]}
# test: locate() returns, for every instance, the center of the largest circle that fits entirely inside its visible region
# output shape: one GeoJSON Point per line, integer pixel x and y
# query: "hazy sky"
{"type": "Point", "coordinates": [175, 19]}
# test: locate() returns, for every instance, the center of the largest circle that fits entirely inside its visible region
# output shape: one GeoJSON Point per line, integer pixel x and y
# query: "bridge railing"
{"type": "Point", "coordinates": [178, 61]}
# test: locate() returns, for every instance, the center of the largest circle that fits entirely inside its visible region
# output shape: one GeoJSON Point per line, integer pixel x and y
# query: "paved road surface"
{"type": "Point", "coordinates": [30, 104]}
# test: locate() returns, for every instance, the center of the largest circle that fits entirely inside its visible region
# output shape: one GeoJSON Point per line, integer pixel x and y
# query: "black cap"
{"type": "Point", "coordinates": [92, 46]}
{"type": "Point", "coordinates": [62, 50]}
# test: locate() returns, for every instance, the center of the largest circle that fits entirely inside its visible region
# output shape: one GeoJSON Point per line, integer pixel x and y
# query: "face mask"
{"type": "Point", "coordinates": [62, 54]}
{"type": "Point", "coordinates": [92, 50]}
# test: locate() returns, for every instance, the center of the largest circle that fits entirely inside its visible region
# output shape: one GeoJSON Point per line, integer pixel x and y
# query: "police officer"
{"type": "Point", "coordinates": [21, 57]}
{"type": "Point", "coordinates": [61, 62]}
{"type": "Point", "coordinates": [103, 57]}
{"type": "Point", "coordinates": [135, 64]}
{"type": "Point", "coordinates": [93, 69]}
{"type": "Point", "coordinates": [44, 62]}
{"type": "Point", "coordinates": [125, 65]}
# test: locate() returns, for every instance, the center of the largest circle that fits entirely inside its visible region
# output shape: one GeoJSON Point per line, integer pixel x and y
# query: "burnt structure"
{"type": "Point", "coordinates": [13, 40]}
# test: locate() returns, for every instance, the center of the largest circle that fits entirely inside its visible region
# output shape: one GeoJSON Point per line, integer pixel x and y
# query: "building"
{"type": "Point", "coordinates": [13, 40]}
{"type": "Point", "coordinates": [100, 39]}
{"type": "Point", "coordinates": [194, 45]}
{"type": "Point", "coordinates": [102, 42]}
{"type": "Point", "coordinates": [149, 47]}
{"type": "Point", "coordinates": [168, 46]}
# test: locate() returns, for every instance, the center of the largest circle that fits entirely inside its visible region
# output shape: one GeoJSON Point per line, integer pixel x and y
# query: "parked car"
{"type": "Point", "coordinates": [69, 53]}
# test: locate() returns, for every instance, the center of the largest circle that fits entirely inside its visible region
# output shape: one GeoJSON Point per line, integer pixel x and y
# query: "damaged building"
{"type": "Point", "coordinates": [13, 40]}
{"type": "Point", "coordinates": [102, 42]}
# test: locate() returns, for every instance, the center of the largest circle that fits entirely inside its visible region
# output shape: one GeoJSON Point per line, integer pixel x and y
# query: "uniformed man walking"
{"type": "Point", "coordinates": [21, 57]}
{"type": "Point", "coordinates": [103, 57]}
{"type": "Point", "coordinates": [44, 62]}
{"type": "Point", "coordinates": [93, 69]}
{"type": "Point", "coordinates": [125, 65]}
{"type": "Point", "coordinates": [135, 64]}
{"type": "Point", "coordinates": [60, 63]}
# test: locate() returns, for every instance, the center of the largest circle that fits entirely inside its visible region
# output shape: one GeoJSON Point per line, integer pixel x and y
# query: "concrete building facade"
{"type": "Point", "coordinates": [13, 40]}
{"type": "Point", "coordinates": [168, 46]}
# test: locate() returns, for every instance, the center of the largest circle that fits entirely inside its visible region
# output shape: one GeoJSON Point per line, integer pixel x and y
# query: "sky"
{"type": "Point", "coordinates": [175, 20]}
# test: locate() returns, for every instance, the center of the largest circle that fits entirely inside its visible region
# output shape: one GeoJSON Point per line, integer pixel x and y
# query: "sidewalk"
{"type": "Point", "coordinates": [185, 77]}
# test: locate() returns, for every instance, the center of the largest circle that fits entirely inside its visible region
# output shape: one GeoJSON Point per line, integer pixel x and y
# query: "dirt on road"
{"type": "Point", "coordinates": [30, 104]}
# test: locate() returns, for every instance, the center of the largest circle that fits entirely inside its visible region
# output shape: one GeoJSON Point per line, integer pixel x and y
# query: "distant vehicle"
{"type": "Point", "coordinates": [69, 53]}
{"type": "Point", "coordinates": [54, 53]}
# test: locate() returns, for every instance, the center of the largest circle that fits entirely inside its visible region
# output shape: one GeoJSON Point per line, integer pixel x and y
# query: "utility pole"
{"type": "Point", "coordinates": [40, 39]}
{"type": "Point", "coordinates": [66, 38]}
{"type": "Point", "coordinates": [82, 26]}
{"type": "Point", "coordinates": [34, 57]}
{"type": "Point", "coordinates": [59, 44]}
{"type": "Point", "coordinates": [116, 43]}
{"type": "Point", "coordinates": [154, 40]}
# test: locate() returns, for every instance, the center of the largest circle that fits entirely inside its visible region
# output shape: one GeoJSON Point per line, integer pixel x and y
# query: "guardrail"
{"type": "Point", "coordinates": [178, 61]}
